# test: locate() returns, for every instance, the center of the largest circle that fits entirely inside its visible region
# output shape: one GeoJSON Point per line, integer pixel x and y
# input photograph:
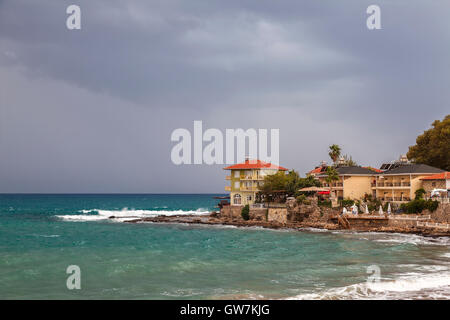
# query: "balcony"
{"type": "Point", "coordinates": [402, 199]}
{"type": "Point", "coordinates": [243, 188]}
{"type": "Point", "coordinates": [227, 188]}
{"type": "Point", "coordinates": [391, 185]}
{"type": "Point", "coordinates": [338, 185]}
{"type": "Point", "coordinates": [395, 199]}
{"type": "Point", "coordinates": [228, 178]}
{"type": "Point", "coordinates": [252, 177]}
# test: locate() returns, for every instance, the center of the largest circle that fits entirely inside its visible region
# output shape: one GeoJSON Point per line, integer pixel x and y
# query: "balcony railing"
{"type": "Point", "coordinates": [228, 178]}
{"type": "Point", "coordinates": [249, 188]}
{"type": "Point", "coordinates": [252, 177]}
{"type": "Point", "coordinates": [398, 199]}
{"type": "Point", "coordinates": [227, 188]}
{"type": "Point", "coordinates": [391, 184]}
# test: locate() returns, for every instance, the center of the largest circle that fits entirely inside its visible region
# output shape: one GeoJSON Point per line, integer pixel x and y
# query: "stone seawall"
{"type": "Point", "coordinates": [296, 215]}
{"type": "Point", "coordinates": [278, 215]}
{"type": "Point", "coordinates": [231, 212]}
{"type": "Point", "coordinates": [442, 214]}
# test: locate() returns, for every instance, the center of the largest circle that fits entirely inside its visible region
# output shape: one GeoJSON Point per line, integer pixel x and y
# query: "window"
{"type": "Point", "coordinates": [237, 198]}
{"type": "Point", "coordinates": [237, 184]}
{"type": "Point", "coordinates": [236, 174]}
{"type": "Point", "coordinates": [249, 198]}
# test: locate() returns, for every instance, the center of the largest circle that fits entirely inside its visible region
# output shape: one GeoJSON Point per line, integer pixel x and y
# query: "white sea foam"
{"type": "Point", "coordinates": [408, 286]}
{"type": "Point", "coordinates": [47, 235]}
{"type": "Point", "coordinates": [127, 214]}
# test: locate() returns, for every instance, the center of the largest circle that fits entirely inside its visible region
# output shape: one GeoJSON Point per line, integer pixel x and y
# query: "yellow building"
{"type": "Point", "coordinates": [400, 183]}
{"type": "Point", "coordinates": [354, 182]}
{"type": "Point", "coordinates": [246, 178]}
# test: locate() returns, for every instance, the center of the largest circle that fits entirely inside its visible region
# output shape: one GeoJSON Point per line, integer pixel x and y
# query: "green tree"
{"type": "Point", "coordinates": [334, 152]}
{"type": "Point", "coordinates": [332, 175]}
{"type": "Point", "coordinates": [245, 212]}
{"type": "Point", "coordinates": [274, 182]}
{"type": "Point", "coordinates": [309, 181]}
{"type": "Point", "coordinates": [290, 183]}
{"type": "Point", "coordinates": [420, 193]}
{"type": "Point", "coordinates": [433, 146]}
{"type": "Point", "coordinates": [348, 160]}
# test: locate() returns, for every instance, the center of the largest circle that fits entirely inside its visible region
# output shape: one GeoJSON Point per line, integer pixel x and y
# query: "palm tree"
{"type": "Point", "coordinates": [335, 152]}
{"type": "Point", "coordinates": [332, 175]}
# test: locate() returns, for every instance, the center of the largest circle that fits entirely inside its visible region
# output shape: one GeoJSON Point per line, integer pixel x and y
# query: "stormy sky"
{"type": "Point", "coordinates": [92, 110]}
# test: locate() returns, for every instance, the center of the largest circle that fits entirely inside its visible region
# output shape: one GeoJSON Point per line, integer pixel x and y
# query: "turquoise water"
{"type": "Point", "coordinates": [41, 235]}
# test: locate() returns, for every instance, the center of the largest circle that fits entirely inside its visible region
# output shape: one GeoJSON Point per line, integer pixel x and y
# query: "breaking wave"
{"type": "Point", "coordinates": [127, 214]}
{"type": "Point", "coordinates": [409, 286]}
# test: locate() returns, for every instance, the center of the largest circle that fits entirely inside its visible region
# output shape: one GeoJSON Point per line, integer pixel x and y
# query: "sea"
{"type": "Point", "coordinates": [42, 236]}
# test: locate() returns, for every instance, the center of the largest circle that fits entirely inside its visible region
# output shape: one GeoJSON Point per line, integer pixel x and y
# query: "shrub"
{"type": "Point", "coordinates": [302, 199]}
{"type": "Point", "coordinates": [245, 212]}
{"type": "Point", "coordinates": [325, 203]}
{"type": "Point", "coordinates": [347, 203]}
{"type": "Point", "coordinates": [418, 205]}
{"type": "Point", "coordinates": [419, 193]}
{"type": "Point", "coordinates": [432, 205]}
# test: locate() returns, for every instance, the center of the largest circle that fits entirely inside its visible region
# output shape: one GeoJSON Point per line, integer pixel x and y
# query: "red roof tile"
{"type": "Point", "coordinates": [438, 176]}
{"type": "Point", "coordinates": [254, 164]}
{"type": "Point", "coordinates": [316, 170]}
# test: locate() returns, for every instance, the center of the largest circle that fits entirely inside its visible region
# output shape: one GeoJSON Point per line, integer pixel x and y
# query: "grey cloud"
{"type": "Point", "coordinates": [92, 110]}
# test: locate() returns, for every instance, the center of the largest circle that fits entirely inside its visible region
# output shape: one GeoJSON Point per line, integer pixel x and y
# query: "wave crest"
{"type": "Point", "coordinates": [127, 214]}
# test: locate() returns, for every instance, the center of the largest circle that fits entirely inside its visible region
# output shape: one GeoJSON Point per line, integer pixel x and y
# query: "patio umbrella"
{"type": "Point", "coordinates": [437, 192]}
{"type": "Point", "coordinates": [367, 210]}
{"type": "Point", "coordinates": [381, 210]}
{"type": "Point", "coordinates": [314, 189]}
{"type": "Point", "coordinates": [354, 209]}
{"type": "Point", "coordinates": [344, 210]}
{"type": "Point", "coordinates": [389, 209]}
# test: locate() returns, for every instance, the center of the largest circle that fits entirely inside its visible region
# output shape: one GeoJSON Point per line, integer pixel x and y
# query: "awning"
{"type": "Point", "coordinates": [314, 189]}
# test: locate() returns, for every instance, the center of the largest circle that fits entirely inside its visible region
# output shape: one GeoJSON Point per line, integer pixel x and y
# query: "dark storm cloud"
{"type": "Point", "coordinates": [94, 108]}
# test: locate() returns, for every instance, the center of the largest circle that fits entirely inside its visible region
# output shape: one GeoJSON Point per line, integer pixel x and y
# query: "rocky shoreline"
{"type": "Point", "coordinates": [217, 219]}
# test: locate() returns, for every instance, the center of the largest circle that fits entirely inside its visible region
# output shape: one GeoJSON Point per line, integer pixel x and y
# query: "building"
{"type": "Point", "coordinates": [354, 182]}
{"type": "Point", "coordinates": [246, 178]}
{"type": "Point", "coordinates": [439, 181]}
{"type": "Point", "coordinates": [399, 183]}
{"type": "Point", "coordinates": [393, 182]}
{"type": "Point", "coordinates": [317, 170]}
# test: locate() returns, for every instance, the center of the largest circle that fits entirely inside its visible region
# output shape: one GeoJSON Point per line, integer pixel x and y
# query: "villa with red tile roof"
{"type": "Point", "coordinates": [439, 181]}
{"type": "Point", "coordinates": [246, 178]}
